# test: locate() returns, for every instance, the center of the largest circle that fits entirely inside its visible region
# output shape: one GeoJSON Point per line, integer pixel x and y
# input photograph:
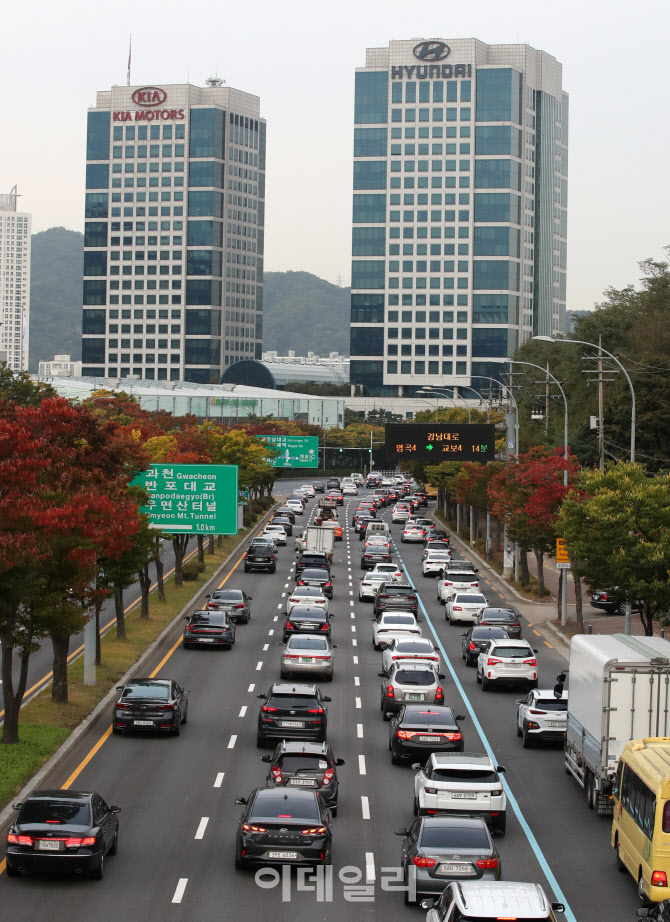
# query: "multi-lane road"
{"type": "Point", "coordinates": [178, 820]}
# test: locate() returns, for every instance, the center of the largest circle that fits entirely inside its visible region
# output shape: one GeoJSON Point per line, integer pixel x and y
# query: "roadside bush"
{"type": "Point", "coordinates": [192, 569]}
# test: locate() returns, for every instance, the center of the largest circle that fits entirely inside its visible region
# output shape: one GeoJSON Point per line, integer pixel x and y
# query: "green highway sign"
{"type": "Point", "coordinates": [295, 450]}
{"type": "Point", "coordinates": [191, 498]}
{"type": "Point", "coordinates": [243, 497]}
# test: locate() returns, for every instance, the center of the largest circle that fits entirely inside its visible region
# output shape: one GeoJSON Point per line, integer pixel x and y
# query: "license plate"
{"type": "Point", "coordinates": [143, 723]}
{"type": "Point", "coordinates": [309, 627]}
{"type": "Point", "coordinates": [454, 869]}
{"type": "Point", "coordinates": [286, 855]}
{"type": "Point", "coordinates": [414, 696]}
{"type": "Point", "coordinates": [258, 559]}
{"type": "Point", "coordinates": [303, 782]}
{"type": "Point", "coordinates": [465, 796]}
{"type": "Point", "coordinates": [47, 845]}
{"type": "Point", "coordinates": [291, 723]}
{"type": "Point", "coordinates": [205, 640]}
{"type": "Point", "coordinates": [430, 739]}
{"type": "Point", "coordinates": [513, 665]}
{"type": "Point", "coordinates": [306, 659]}
{"type": "Point", "coordinates": [551, 724]}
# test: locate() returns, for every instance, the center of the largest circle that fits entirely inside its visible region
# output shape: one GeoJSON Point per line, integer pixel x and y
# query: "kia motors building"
{"type": "Point", "coordinates": [175, 209]}
{"type": "Point", "coordinates": [459, 211]}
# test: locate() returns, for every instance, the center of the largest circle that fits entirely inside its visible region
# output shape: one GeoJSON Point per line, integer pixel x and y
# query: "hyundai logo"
{"type": "Point", "coordinates": [431, 51]}
{"type": "Point", "coordinates": [283, 829]}
{"type": "Point", "coordinates": [149, 96]}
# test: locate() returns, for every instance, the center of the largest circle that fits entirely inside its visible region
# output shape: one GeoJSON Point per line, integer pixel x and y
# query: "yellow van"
{"type": "Point", "coordinates": [641, 822]}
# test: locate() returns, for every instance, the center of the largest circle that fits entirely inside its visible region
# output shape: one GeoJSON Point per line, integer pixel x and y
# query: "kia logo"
{"type": "Point", "coordinates": [431, 51]}
{"type": "Point", "coordinates": [152, 96]}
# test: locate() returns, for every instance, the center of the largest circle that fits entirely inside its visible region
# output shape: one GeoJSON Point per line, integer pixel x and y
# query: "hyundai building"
{"type": "Point", "coordinates": [459, 211]}
{"type": "Point", "coordinates": [173, 249]}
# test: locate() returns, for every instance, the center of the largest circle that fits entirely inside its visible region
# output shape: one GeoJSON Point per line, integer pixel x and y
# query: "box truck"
{"type": "Point", "coordinates": [618, 691]}
{"type": "Point", "coordinates": [316, 538]}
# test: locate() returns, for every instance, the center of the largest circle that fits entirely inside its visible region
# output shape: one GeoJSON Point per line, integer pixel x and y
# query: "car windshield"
{"type": "Point", "coordinates": [499, 616]}
{"type": "Point", "coordinates": [426, 647]}
{"type": "Point", "coordinates": [470, 599]}
{"type": "Point", "coordinates": [488, 633]}
{"type": "Point", "coordinates": [415, 677]}
{"type": "Point", "coordinates": [443, 717]}
{"type": "Point", "coordinates": [303, 762]}
{"type": "Point", "coordinates": [398, 619]}
{"type": "Point", "coordinates": [216, 619]}
{"type": "Point", "coordinates": [510, 652]}
{"type": "Point", "coordinates": [301, 613]}
{"type": "Point", "coordinates": [227, 595]}
{"type": "Point", "coordinates": [66, 812]}
{"type": "Point", "coordinates": [552, 704]}
{"type": "Point", "coordinates": [462, 577]}
{"type": "Point", "coordinates": [438, 555]}
{"type": "Point", "coordinates": [464, 775]}
{"type": "Point", "coordinates": [399, 590]}
{"type": "Point", "coordinates": [309, 592]}
{"type": "Point", "coordinates": [452, 836]}
{"type": "Point", "coordinates": [283, 806]}
{"type": "Point", "coordinates": [314, 573]}
{"type": "Point", "coordinates": [293, 702]}
{"type": "Point", "coordinates": [307, 643]}
{"type": "Point", "coordinates": [147, 690]}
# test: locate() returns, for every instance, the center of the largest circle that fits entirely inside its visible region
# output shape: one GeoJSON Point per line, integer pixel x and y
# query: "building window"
{"type": "Point", "coordinates": [371, 98]}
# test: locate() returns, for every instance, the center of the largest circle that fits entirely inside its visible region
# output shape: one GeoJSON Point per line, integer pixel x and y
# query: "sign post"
{"type": "Point", "coordinates": [295, 451]}
{"type": "Point", "coordinates": [194, 499]}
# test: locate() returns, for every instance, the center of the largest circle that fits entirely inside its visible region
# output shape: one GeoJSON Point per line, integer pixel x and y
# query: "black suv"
{"type": "Point", "coordinates": [260, 557]}
{"type": "Point", "coordinates": [305, 765]}
{"type": "Point", "coordinates": [211, 628]}
{"type": "Point", "coordinates": [306, 619]}
{"type": "Point", "coordinates": [395, 595]}
{"type": "Point", "coordinates": [293, 711]}
{"type": "Point", "coordinates": [317, 576]}
{"type": "Point", "coordinates": [311, 559]}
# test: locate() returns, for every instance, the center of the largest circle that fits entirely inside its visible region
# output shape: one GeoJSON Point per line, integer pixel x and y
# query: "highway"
{"type": "Point", "coordinates": [178, 820]}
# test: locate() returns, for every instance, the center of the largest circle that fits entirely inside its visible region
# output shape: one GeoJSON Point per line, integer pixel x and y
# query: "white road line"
{"type": "Point", "coordinates": [285, 585]}
{"type": "Point", "coordinates": [243, 710]}
{"type": "Point", "coordinates": [369, 867]}
{"type": "Point", "coordinates": [353, 628]}
{"type": "Point", "coordinates": [351, 601]}
{"type": "Point", "coordinates": [351, 592]}
{"type": "Point", "coordinates": [361, 765]}
{"type": "Point", "coordinates": [251, 687]}
{"type": "Point", "coordinates": [266, 646]}
{"type": "Point", "coordinates": [353, 614]}
{"type": "Point", "coordinates": [276, 616]}
{"type": "Point", "coordinates": [283, 595]}
{"type": "Point", "coordinates": [357, 680]}
{"type": "Point", "coordinates": [280, 605]}
{"type": "Point", "coordinates": [354, 642]}
{"type": "Point", "coordinates": [179, 892]}
{"type": "Point", "coordinates": [218, 781]}
{"type": "Point", "coordinates": [359, 731]}
{"type": "Point", "coordinates": [270, 632]}
{"type": "Point", "coordinates": [365, 807]}
{"type": "Point", "coordinates": [232, 741]}
{"type": "Point", "coordinates": [202, 825]}
{"type": "Point", "coordinates": [355, 661]}
{"type": "Point", "coordinates": [259, 665]}
{"type": "Point", "coordinates": [358, 702]}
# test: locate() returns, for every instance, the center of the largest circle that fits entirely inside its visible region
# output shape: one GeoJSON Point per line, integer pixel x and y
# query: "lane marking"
{"type": "Point", "coordinates": [358, 702]}
{"type": "Point", "coordinates": [243, 711]}
{"type": "Point", "coordinates": [365, 807]}
{"type": "Point", "coordinates": [84, 762]}
{"type": "Point", "coordinates": [164, 660]}
{"type": "Point", "coordinates": [251, 687]}
{"type": "Point", "coordinates": [355, 661]}
{"type": "Point", "coordinates": [270, 632]}
{"type": "Point", "coordinates": [549, 645]}
{"type": "Point", "coordinates": [361, 765]}
{"type": "Point", "coordinates": [232, 741]}
{"type": "Point", "coordinates": [357, 680]}
{"type": "Point", "coordinates": [359, 731]}
{"type": "Point", "coordinates": [369, 867]}
{"type": "Point", "coordinates": [259, 665]}
{"type": "Point", "coordinates": [280, 605]}
{"type": "Point", "coordinates": [202, 825]}
{"type": "Point", "coordinates": [536, 632]}
{"type": "Point", "coordinates": [179, 892]}
{"type": "Point", "coordinates": [353, 614]}
{"type": "Point", "coordinates": [266, 646]}
{"type": "Point", "coordinates": [276, 616]}
{"type": "Point", "coordinates": [354, 642]}
{"type": "Point", "coordinates": [218, 781]}
{"type": "Point", "coordinates": [353, 628]}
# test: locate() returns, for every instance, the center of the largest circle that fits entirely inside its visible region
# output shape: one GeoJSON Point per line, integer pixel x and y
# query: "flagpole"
{"type": "Point", "coordinates": [130, 51]}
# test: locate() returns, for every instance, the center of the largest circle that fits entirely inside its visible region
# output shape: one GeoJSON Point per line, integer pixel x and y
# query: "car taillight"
{"type": "Point", "coordinates": [288, 626]}
{"type": "Point", "coordinates": [18, 840]}
{"type": "Point", "coordinates": [603, 596]}
{"type": "Point", "coordinates": [314, 831]}
{"type": "Point", "coordinates": [491, 661]}
{"type": "Point", "coordinates": [452, 736]}
{"type": "Point", "coordinates": [328, 775]}
{"type": "Point", "coordinates": [497, 793]}
{"type": "Point", "coordinates": [165, 707]}
{"type": "Point", "coordinates": [239, 605]}
{"type": "Point", "coordinates": [123, 707]}
{"type": "Point", "coordinates": [659, 879]}
{"type": "Point", "coordinates": [248, 828]}
{"type": "Point", "coordinates": [315, 711]}
{"type": "Point", "coordinates": [487, 862]}
{"type": "Point", "coordinates": [472, 646]}
{"type": "Point", "coordinates": [324, 627]}
{"type": "Point", "coordinates": [276, 775]}
{"type": "Point", "coordinates": [382, 596]}
{"type": "Point", "coordinates": [267, 709]}
{"type": "Point", "coordinates": [405, 734]}
{"type": "Point", "coordinates": [420, 861]}
{"type": "Point", "coordinates": [76, 842]}
{"type": "Point", "coordinates": [456, 608]}
{"type": "Point", "coordinates": [300, 583]}
{"type": "Point", "coordinates": [209, 605]}
{"type": "Point", "coordinates": [438, 692]}
{"type": "Point", "coordinates": [530, 662]}
{"type": "Point", "coordinates": [291, 656]}
{"type": "Point", "coordinates": [537, 712]}
{"type": "Point", "coordinates": [390, 692]}
{"type": "Point", "coordinates": [430, 790]}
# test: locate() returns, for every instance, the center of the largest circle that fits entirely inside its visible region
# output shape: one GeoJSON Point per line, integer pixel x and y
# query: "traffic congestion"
{"type": "Point", "coordinates": [356, 714]}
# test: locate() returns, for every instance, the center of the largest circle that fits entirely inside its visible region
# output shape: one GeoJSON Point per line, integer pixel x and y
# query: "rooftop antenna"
{"type": "Point", "coordinates": [214, 81]}
{"type": "Point", "coordinates": [130, 51]}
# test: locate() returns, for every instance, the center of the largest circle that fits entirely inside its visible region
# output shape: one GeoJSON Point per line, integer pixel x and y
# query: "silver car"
{"type": "Point", "coordinates": [308, 654]}
{"type": "Point", "coordinates": [542, 716]}
{"type": "Point", "coordinates": [410, 681]}
{"type": "Point", "coordinates": [461, 782]}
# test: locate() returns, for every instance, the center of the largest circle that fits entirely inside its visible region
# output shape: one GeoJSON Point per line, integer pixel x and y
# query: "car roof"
{"type": "Point", "coordinates": [297, 688]}
{"type": "Point", "coordinates": [512, 642]}
{"type": "Point", "coordinates": [495, 897]}
{"type": "Point", "coordinates": [148, 681]}
{"type": "Point", "coordinates": [59, 794]}
{"type": "Point", "coordinates": [414, 664]}
{"type": "Point", "coordinates": [453, 821]}
{"type": "Point", "coordinates": [219, 593]}
{"type": "Point", "coordinates": [547, 693]}
{"type": "Point", "coordinates": [499, 611]}
{"type": "Point", "coordinates": [442, 714]}
{"type": "Point", "coordinates": [287, 746]}
{"type": "Point", "coordinates": [309, 612]}
{"type": "Point", "coordinates": [299, 794]}
{"type": "Point", "coordinates": [462, 760]}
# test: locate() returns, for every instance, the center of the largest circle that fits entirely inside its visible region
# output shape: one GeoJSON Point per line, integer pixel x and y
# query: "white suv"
{"type": "Point", "coordinates": [434, 562]}
{"type": "Point", "coordinates": [461, 782]}
{"type": "Point", "coordinates": [507, 661]}
{"type": "Point", "coordinates": [463, 580]}
{"type": "Point", "coordinates": [491, 899]}
{"type": "Point", "coordinates": [464, 606]}
{"type": "Point", "coordinates": [369, 584]}
{"type": "Point", "coordinates": [542, 716]}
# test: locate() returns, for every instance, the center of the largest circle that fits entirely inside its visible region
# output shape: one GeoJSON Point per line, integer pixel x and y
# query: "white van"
{"type": "Point", "coordinates": [358, 479]}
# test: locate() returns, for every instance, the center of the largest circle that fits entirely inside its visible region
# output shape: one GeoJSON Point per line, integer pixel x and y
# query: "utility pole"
{"type": "Point", "coordinates": [601, 429]}
{"type": "Point", "coordinates": [546, 405]}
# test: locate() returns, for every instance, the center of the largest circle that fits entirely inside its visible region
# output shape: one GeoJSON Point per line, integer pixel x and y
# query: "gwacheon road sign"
{"type": "Point", "coordinates": [295, 450]}
{"type": "Point", "coordinates": [191, 498]}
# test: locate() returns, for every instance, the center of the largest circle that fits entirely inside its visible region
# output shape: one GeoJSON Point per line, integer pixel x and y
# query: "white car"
{"type": "Point", "coordinates": [308, 490]}
{"type": "Point", "coordinates": [453, 581]}
{"type": "Point", "coordinates": [400, 513]}
{"type": "Point", "coordinates": [390, 624]}
{"type": "Point", "coordinates": [413, 533]}
{"type": "Point", "coordinates": [296, 506]}
{"type": "Point", "coordinates": [464, 606]}
{"type": "Point", "coordinates": [542, 716]}
{"type": "Point", "coordinates": [358, 479]}
{"type": "Point", "coordinates": [409, 647]}
{"type": "Point", "coordinates": [368, 586]}
{"type": "Point", "coordinates": [505, 662]}
{"type": "Point", "coordinates": [276, 532]}
{"type": "Point", "coordinates": [461, 783]}
{"type": "Point", "coordinates": [349, 489]}
{"type": "Point", "coordinates": [389, 571]}
{"type": "Point", "coordinates": [434, 562]}
{"type": "Point", "coordinates": [306, 595]}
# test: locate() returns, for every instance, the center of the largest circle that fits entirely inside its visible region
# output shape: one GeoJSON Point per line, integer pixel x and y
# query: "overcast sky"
{"type": "Point", "coordinates": [299, 57]}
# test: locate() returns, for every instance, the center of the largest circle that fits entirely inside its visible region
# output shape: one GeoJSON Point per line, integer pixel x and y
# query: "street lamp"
{"type": "Point", "coordinates": [430, 392]}
{"type": "Point", "coordinates": [564, 572]}
{"type": "Point", "coordinates": [581, 342]}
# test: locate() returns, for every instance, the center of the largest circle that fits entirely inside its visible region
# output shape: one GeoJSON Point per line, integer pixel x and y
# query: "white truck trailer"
{"type": "Point", "coordinates": [619, 689]}
{"type": "Point", "coordinates": [316, 538]}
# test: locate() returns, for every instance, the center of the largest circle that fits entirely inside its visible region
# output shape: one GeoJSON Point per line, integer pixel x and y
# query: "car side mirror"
{"type": "Point", "coordinates": [416, 766]}
{"type": "Point", "coordinates": [280, 643]}
{"type": "Point", "coordinates": [16, 806]}
{"type": "Point", "coordinates": [558, 690]}
{"type": "Point", "coordinates": [535, 651]}
{"type": "Point", "coordinates": [250, 597]}
{"type": "Point", "coordinates": [119, 687]}
{"type": "Point", "coordinates": [561, 677]}
{"type": "Point", "coordinates": [559, 907]}
{"type": "Point", "coordinates": [339, 762]}
{"type": "Point", "coordinates": [606, 787]}
{"type": "Point", "coordinates": [419, 621]}
{"type": "Point", "coordinates": [186, 617]}
{"type": "Point", "coordinates": [326, 698]}
{"type": "Point", "coordinates": [334, 646]}
{"type": "Point", "coordinates": [401, 831]}
{"type": "Point", "coordinates": [261, 696]}
{"type": "Point", "coordinates": [441, 675]}
{"type": "Point", "coordinates": [464, 634]}
{"type": "Point", "coordinates": [519, 700]}
{"type": "Point", "coordinates": [427, 904]}
{"type": "Point", "coordinates": [460, 717]}
{"type": "Point", "coordinates": [501, 769]}
{"type": "Point", "coordinates": [332, 578]}
{"type": "Point", "coordinates": [266, 758]}
{"type": "Point", "coordinates": [241, 801]}
{"type": "Point", "coordinates": [208, 596]}
{"type": "Point", "coordinates": [115, 809]}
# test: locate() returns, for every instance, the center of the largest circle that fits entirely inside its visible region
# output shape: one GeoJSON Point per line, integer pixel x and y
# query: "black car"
{"type": "Point", "coordinates": [417, 730]}
{"type": "Point", "coordinates": [395, 595]}
{"type": "Point", "coordinates": [286, 511]}
{"type": "Point", "coordinates": [285, 522]}
{"type": "Point", "coordinates": [305, 765]}
{"type": "Point", "coordinates": [440, 848]}
{"type": "Point", "coordinates": [438, 535]}
{"type": "Point", "coordinates": [283, 827]}
{"type": "Point", "coordinates": [235, 603]}
{"type": "Point", "coordinates": [317, 576]}
{"type": "Point", "coordinates": [506, 618]}
{"type": "Point", "coordinates": [260, 557]}
{"type": "Point", "coordinates": [374, 554]}
{"type": "Point", "coordinates": [151, 704]}
{"type": "Point", "coordinates": [208, 628]}
{"type": "Point", "coordinates": [306, 619]}
{"type": "Point", "coordinates": [292, 711]}
{"type": "Point", "coordinates": [612, 600]}
{"type": "Point", "coordinates": [476, 639]}
{"type": "Point", "coordinates": [309, 560]}
{"type": "Point", "coordinates": [70, 831]}
{"type": "Point", "coordinates": [318, 486]}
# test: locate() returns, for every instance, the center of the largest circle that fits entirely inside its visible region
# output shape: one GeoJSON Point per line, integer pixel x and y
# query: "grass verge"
{"type": "Point", "coordinates": [45, 724]}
